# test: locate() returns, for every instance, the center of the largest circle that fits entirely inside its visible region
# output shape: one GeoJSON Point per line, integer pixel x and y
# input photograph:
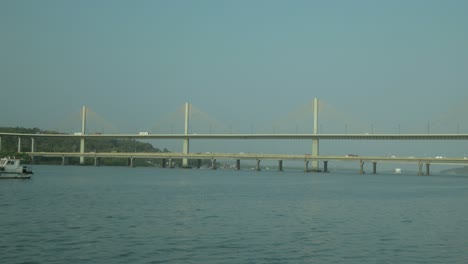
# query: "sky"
{"type": "Point", "coordinates": [246, 64]}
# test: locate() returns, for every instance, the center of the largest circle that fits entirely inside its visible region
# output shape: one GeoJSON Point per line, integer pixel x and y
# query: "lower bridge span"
{"type": "Point", "coordinates": [256, 156]}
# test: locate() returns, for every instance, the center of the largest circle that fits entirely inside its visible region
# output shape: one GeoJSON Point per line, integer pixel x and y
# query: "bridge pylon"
{"type": "Point", "coordinates": [315, 142]}
{"type": "Point", "coordinates": [83, 131]}
{"type": "Point", "coordinates": [186, 146]}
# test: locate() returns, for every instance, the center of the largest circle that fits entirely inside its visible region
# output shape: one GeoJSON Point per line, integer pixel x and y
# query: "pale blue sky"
{"type": "Point", "coordinates": [243, 62]}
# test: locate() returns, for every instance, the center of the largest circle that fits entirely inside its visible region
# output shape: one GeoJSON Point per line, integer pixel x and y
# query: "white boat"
{"type": "Point", "coordinates": [10, 168]}
{"type": "Point", "coordinates": [397, 171]}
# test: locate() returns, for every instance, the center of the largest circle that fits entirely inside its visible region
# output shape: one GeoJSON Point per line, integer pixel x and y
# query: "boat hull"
{"type": "Point", "coordinates": [15, 176]}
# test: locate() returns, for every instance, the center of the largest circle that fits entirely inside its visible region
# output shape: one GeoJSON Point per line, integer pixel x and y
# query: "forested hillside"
{"type": "Point", "coordinates": [9, 146]}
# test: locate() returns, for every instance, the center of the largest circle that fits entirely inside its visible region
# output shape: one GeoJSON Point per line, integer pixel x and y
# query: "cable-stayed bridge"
{"type": "Point", "coordinates": [194, 118]}
{"type": "Point", "coordinates": [298, 121]}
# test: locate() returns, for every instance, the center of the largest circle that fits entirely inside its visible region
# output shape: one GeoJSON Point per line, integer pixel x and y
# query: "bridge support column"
{"type": "Point", "coordinates": [19, 144]}
{"type": "Point", "coordinates": [315, 151]}
{"type": "Point", "coordinates": [163, 163]}
{"type": "Point", "coordinates": [186, 147]}
{"type": "Point", "coordinates": [171, 164]}
{"type": "Point", "coordinates": [315, 142]}
{"type": "Point", "coordinates": [213, 164]}
{"type": "Point", "coordinates": [427, 168]}
{"type": "Point", "coordinates": [325, 166]}
{"type": "Point", "coordinates": [32, 145]}
{"type": "Point", "coordinates": [374, 167]}
{"type": "Point", "coordinates": [420, 164]}
{"type": "Point", "coordinates": [361, 167]}
{"type": "Point", "coordinates": [187, 164]}
{"type": "Point", "coordinates": [32, 150]}
{"type": "Point", "coordinates": [131, 162]}
{"type": "Point", "coordinates": [306, 165]}
{"type": "Point", "coordinates": [280, 165]}
{"type": "Point", "coordinates": [83, 131]}
{"type": "Point", "coordinates": [96, 161]}
{"type": "Point", "coordinates": [64, 160]}
{"type": "Point", "coordinates": [238, 164]}
{"type": "Point", "coordinates": [0, 143]}
{"type": "Point", "coordinates": [257, 167]}
{"type": "Point", "coordinates": [82, 151]}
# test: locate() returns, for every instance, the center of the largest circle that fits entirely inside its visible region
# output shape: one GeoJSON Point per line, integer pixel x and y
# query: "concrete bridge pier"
{"type": "Point", "coordinates": [33, 145]}
{"type": "Point", "coordinates": [82, 148]}
{"type": "Point", "coordinates": [96, 161]}
{"type": "Point", "coordinates": [374, 167]}
{"type": "Point", "coordinates": [420, 164]}
{"type": "Point", "coordinates": [19, 144]}
{"type": "Point", "coordinates": [186, 144]}
{"type": "Point", "coordinates": [280, 165]}
{"type": "Point", "coordinates": [64, 160]}
{"type": "Point", "coordinates": [32, 150]}
{"type": "Point", "coordinates": [171, 164]}
{"type": "Point", "coordinates": [306, 165]}
{"type": "Point", "coordinates": [238, 164]}
{"type": "Point", "coordinates": [186, 165]}
{"type": "Point", "coordinates": [213, 164]}
{"type": "Point", "coordinates": [130, 162]}
{"type": "Point", "coordinates": [427, 168]}
{"type": "Point", "coordinates": [325, 166]}
{"type": "Point", "coordinates": [361, 167]}
{"type": "Point", "coordinates": [83, 131]}
{"type": "Point", "coordinates": [315, 142]}
{"type": "Point", "coordinates": [257, 167]}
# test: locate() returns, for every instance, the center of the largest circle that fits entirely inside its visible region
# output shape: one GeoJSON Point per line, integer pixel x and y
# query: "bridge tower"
{"type": "Point", "coordinates": [83, 130]}
{"type": "Point", "coordinates": [186, 147]}
{"type": "Point", "coordinates": [315, 142]}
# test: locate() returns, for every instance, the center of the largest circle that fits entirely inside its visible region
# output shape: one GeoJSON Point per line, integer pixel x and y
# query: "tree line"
{"type": "Point", "coordinates": [9, 147]}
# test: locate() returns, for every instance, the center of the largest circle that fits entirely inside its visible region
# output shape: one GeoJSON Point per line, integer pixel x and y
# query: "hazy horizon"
{"type": "Point", "coordinates": [383, 66]}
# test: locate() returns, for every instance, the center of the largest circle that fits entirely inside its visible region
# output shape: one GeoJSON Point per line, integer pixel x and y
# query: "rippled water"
{"type": "Point", "coordinates": [149, 215]}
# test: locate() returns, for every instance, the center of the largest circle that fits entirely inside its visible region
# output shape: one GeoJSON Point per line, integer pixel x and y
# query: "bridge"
{"type": "Point", "coordinates": [168, 157]}
{"type": "Point", "coordinates": [186, 137]}
{"type": "Point", "coordinates": [253, 136]}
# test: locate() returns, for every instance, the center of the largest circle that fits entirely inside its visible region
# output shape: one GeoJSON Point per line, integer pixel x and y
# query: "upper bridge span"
{"type": "Point", "coordinates": [255, 136]}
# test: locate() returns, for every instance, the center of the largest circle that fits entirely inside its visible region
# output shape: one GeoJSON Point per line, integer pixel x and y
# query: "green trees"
{"type": "Point", "coordinates": [9, 147]}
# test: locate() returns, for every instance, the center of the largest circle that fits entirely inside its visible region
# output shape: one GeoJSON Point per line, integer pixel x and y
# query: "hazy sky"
{"type": "Point", "coordinates": [246, 63]}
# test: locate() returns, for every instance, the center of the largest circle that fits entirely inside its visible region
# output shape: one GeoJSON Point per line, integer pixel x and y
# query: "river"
{"type": "Point", "coordinates": [73, 214]}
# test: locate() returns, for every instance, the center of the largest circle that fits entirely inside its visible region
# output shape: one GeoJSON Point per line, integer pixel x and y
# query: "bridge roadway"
{"type": "Point", "coordinates": [247, 156]}
{"type": "Point", "coordinates": [256, 136]}
{"type": "Point", "coordinates": [258, 157]}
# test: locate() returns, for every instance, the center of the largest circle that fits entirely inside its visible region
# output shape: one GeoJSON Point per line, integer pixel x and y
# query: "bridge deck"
{"type": "Point", "coordinates": [248, 156]}
{"type": "Point", "coordinates": [258, 136]}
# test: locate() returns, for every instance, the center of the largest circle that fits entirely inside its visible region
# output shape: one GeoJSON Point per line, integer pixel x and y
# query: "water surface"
{"type": "Point", "coordinates": [69, 214]}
